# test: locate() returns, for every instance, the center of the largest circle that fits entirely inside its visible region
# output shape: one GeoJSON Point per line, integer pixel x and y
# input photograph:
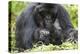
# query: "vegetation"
{"type": "Point", "coordinates": [15, 8]}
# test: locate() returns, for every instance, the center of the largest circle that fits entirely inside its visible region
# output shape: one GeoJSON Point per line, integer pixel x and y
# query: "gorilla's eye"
{"type": "Point", "coordinates": [42, 13]}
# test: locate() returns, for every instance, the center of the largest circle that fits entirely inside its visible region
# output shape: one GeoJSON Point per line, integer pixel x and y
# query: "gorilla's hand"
{"type": "Point", "coordinates": [44, 33]}
{"type": "Point", "coordinates": [72, 35]}
{"type": "Point", "coordinates": [44, 36]}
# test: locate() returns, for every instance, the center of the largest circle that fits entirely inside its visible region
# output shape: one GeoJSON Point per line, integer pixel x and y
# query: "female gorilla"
{"type": "Point", "coordinates": [37, 23]}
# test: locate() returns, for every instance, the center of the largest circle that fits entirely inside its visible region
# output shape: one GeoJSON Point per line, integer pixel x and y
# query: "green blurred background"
{"type": "Point", "coordinates": [16, 7]}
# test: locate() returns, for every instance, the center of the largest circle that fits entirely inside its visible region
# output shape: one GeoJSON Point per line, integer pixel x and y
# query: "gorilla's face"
{"type": "Point", "coordinates": [46, 16]}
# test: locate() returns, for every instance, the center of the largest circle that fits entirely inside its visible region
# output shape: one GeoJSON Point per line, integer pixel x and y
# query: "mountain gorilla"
{"type": "Point", "coordinates": [44, 22]}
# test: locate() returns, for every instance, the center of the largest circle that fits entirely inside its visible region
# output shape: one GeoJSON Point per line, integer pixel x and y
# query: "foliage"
{"type": "Point", "coordinates": [50, 47]}
{"type": "Point", "coordinates": [73, 12]}
{"type": "Point", "coordinates": [16, 9]}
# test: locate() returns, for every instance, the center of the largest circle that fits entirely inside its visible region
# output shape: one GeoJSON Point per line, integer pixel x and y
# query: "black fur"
{"type": "Point", "coordinates": [39, 18]}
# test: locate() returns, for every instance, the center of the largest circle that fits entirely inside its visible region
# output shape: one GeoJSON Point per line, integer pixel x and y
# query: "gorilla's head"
{"type": "Point", "coordinates": [45, 15]}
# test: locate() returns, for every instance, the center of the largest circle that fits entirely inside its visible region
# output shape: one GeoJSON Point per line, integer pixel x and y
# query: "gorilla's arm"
{"type": "Point", "coordinates": [65, 24]}
{"type": "Point", "coordinates": [25, 26]}
{"type": "Point", "coordinates": [64, 18]}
